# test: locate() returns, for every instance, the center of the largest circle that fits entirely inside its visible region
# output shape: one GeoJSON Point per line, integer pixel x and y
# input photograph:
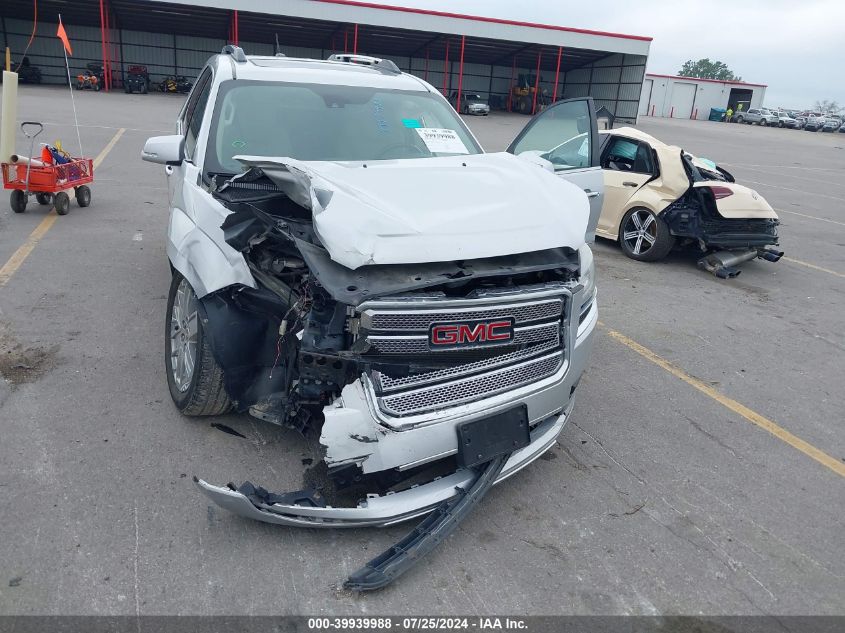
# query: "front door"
{"type": "Point", "coordinates": [566, 134]}
{"type": "Point", "coordinates": [627, 164]}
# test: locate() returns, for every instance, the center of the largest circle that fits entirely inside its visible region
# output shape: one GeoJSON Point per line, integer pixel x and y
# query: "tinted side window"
{"type": "Point", "coordinates": [194, 112]}
{"type": "Point", "coordinates": [623, 154]}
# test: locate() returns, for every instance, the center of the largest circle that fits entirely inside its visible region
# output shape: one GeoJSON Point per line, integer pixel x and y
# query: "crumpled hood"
{"type": "Point", "coordinates": [432, 209]}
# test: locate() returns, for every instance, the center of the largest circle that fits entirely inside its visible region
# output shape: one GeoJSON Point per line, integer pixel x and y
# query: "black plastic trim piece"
{"type": "Point", "coordinates": [389, 565]}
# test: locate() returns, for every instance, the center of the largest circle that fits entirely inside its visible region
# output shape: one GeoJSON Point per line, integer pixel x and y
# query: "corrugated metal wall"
{"type": "Point", "coordinates": [46, 49]}
{"type": "Point", "coordinates": [614, 81]}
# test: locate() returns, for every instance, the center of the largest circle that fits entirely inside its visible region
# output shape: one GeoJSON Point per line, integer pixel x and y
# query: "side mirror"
{"type": "Point", "coordinates": [164, 150]}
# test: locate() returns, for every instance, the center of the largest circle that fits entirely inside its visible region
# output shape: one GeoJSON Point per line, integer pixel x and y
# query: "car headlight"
{"type": "Point", "coordinates": [588, 275]}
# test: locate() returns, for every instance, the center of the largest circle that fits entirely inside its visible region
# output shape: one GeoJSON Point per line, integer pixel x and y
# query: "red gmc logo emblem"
{"type": "Point", "coordinates": [470, 333]}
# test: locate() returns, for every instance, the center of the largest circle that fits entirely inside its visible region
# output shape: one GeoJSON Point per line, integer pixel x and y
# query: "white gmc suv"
{"type": "Point", "coordinates": [348, 261]}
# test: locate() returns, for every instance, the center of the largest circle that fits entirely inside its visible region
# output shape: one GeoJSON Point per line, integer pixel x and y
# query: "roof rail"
{"type": "Point", "coordinates": [236, 52]}
{"type": "Point", "coordinates": [366, 60]}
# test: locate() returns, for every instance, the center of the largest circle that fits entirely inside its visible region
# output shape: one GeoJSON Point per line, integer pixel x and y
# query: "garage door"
{"type": "Point", "coordinates": [645, 97]}
{"type": "Point", "coordinates": [683, 98]}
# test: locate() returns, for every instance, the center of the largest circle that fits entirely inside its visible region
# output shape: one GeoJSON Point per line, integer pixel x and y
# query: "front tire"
{"type": "Point", "coordinates": [644, 236]}
{"type": "Point", "coordinates": [194, 378]}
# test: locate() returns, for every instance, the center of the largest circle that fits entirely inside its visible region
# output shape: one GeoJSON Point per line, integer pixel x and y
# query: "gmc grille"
{"type": "Point", "coordinates": [398, 328]}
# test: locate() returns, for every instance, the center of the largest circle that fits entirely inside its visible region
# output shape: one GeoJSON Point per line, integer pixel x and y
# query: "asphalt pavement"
{"type": "Point", "coordinates": [686, 483]}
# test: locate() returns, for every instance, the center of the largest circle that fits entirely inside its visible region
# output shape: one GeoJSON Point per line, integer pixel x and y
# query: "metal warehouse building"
{"type": "Point", "coordinates": [452, 51]}
{"type": "Point", "coordinates": [692, 98]}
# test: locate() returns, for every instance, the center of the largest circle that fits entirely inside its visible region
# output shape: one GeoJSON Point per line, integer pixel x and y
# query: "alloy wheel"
{"type": "Point", "coordinates": [183, 336]}
{"type": "Point", "coordinates": [640, 231]}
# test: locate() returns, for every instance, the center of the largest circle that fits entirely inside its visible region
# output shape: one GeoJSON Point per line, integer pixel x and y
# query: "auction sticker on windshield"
{"type": "Point", "coordinates": [441, 140]}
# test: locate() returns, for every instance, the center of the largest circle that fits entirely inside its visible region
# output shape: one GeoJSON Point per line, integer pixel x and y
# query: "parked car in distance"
{"type": "Point", "coordinates": [785, 120]}
{"type": "Point", "coordinates": [760, 116]}
{"type": "Point", "coordinates": [842, 128]}
{"type": "Point", "coordinates": [800, 122]}
{"type": "Point", "coordinates": [831, 124]}
{"type": "Point", "coordinates": [814, 123]}
{"type": "Point", "coordinates": [471, 103]}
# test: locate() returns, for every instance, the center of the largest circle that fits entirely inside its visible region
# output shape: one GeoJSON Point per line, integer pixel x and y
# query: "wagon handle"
{"type": "Point", "coordinates": [26, 123]}
{"type": "Point", "coordinates": [31, 138]}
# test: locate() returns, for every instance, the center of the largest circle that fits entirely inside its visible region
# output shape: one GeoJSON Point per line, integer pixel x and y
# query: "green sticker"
{"type": "Point", "coordinates": [238, 144]}
{"type": "Point", "coordinates": [411, 123]}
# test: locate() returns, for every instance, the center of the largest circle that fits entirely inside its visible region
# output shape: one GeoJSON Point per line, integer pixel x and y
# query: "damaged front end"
{"type": "Point", "coordinates": [426, 383]}
{"type": "Point", "coordinates": [387, 363]}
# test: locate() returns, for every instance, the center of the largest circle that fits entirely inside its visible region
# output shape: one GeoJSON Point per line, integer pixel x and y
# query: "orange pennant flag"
{"type": "Point", "coordinates": [60, 33]}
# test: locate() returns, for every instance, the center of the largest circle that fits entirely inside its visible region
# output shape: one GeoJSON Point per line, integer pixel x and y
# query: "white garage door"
{"type": "Point", "coordinates": [645, 97]}
{"type": "Point", "coordinates": [683, 98]}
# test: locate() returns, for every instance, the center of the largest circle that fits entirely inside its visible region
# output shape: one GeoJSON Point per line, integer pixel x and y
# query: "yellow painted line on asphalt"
{"type": "Point", "coordinates": [812, 217]}
{"type": "Point", "coordinates": [813, 266]}
{"type": "Point", "coordinates": [740, 409]}
{"type": "Point", "coordinates": [102, 155]}
{"type": "Point", "coordinates": [20, 255]}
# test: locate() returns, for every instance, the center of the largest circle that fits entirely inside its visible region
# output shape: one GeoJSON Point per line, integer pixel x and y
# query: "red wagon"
{"type": "Point", "coordinates": [48, 183]}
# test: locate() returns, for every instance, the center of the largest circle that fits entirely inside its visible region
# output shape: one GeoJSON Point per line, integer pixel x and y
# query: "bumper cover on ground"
{"type": "Point", "coordinates": [384, 510]}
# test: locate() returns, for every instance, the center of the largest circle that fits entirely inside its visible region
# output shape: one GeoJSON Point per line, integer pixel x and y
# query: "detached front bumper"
{"type": "Point", "coordinates": [351, 430]}
{"type": "Point", "coordinates": [384, 510]}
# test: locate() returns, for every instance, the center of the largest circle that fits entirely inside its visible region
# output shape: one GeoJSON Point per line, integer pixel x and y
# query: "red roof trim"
{"type": "Point", "coordinates": [713, 81]}
{"type": "Point", "coordinates": [478, 18]}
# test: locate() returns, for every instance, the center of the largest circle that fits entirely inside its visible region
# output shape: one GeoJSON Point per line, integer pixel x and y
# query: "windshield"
{"type": "Point", "coordinates": [328, 122]}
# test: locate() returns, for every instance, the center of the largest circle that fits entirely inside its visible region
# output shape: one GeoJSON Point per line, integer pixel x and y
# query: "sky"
{"type": "Point", "coordinates": [795, 47]}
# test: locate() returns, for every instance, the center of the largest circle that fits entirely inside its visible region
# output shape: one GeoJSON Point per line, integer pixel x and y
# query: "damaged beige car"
{"type": "Point", "coordinates": [659, 197]}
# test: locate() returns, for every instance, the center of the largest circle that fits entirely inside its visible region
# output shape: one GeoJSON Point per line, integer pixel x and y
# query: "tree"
{"type": "Point", "coordinates": [826, 105]}
{"type": "Point", "coordinates": [705, 69]}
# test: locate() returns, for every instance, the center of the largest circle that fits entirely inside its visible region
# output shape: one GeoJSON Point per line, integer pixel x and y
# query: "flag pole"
{"type": "Point", "coordinates": [72, 100]}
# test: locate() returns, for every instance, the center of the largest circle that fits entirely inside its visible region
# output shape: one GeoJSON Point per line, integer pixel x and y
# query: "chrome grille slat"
{"type": "Point", "coordinates": [420, 320]}
{"type": "Point", "coordinates": [388, 384]}
{"type": "Point", "coordinates": [474, 388]}
{"type": "Point", "coordinates": [400, 327]}
{"type": "Point", "coordinates": [418, 344]}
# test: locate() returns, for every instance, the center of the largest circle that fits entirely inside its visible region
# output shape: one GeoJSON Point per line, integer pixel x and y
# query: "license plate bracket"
{"type": "Point", "coordinates": [481, 440]}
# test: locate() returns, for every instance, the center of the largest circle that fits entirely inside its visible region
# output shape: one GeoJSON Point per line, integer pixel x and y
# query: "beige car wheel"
{"type": "Point", "coordinates": [644, 236]}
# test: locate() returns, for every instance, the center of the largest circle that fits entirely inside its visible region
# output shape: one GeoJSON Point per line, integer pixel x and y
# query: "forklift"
{"type": "Point", "coordinates": [522, 95]}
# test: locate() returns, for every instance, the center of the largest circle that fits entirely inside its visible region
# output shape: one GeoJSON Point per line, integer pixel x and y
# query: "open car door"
{"type": "Point", "coordinates": [566, 134]}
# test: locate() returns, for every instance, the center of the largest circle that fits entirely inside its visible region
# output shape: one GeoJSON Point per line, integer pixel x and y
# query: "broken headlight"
{"type": "Point", "coordinates": [588, 276]}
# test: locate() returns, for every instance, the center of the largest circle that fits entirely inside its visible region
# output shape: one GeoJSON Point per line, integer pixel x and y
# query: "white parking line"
{"type": "Point", "coordinates": [811, 193]}
{"type": "Point", "coordinates": [782, 167]}
{"type": "Point", "coordinates": [836, 183]}
{"type": "Point", "coordinates": [812, 217]}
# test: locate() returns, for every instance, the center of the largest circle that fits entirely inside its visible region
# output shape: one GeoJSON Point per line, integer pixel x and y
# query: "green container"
{"type": "Point", "coordinates": [717, 114]}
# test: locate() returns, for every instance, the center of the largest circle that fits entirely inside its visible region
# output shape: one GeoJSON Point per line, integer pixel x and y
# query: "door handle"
{"type": "Point", "coordinates": [628, 183]}
{"type": "Point", "coordinates": [168, 169]}
{"type": "Point", "coordinates": [591, 194]}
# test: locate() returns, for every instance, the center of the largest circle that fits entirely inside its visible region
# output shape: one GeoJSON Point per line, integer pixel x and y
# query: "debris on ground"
{"type": "Point", "coordinates": [20, 364]}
